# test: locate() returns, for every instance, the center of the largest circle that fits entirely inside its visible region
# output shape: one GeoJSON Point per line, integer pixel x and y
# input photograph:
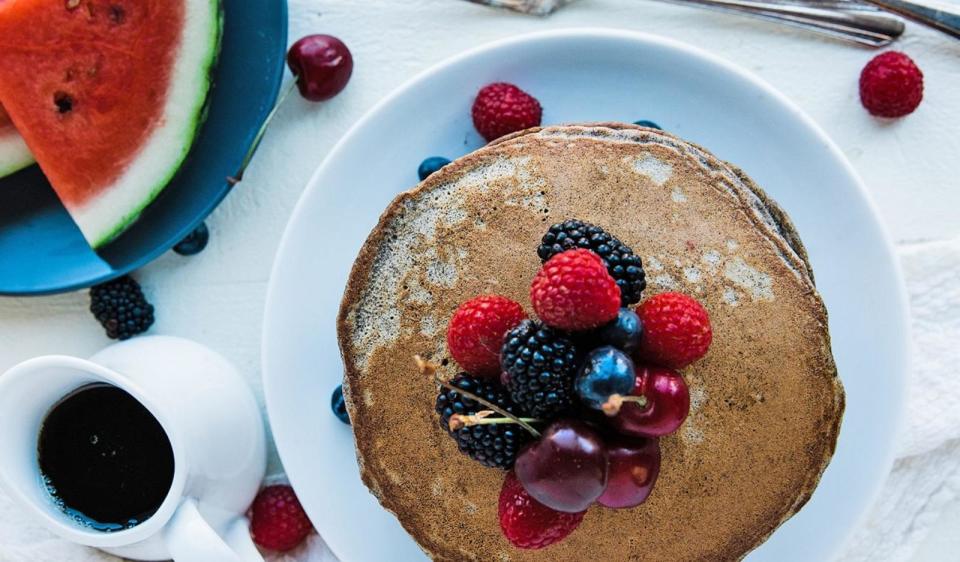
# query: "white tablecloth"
{"type": "Point", "coordinates": [910, 166]}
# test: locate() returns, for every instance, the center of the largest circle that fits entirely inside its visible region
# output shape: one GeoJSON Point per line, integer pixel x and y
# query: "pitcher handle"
{"type": "Point", "coordinates": [190, 538]}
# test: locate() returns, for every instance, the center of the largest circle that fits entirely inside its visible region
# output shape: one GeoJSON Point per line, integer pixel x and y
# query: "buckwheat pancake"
{"type": "Point", "coordinates": [766, 401]}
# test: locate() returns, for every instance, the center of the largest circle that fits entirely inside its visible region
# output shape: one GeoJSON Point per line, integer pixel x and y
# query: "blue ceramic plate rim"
{"type": "Point", "coordinates": [276, 79]}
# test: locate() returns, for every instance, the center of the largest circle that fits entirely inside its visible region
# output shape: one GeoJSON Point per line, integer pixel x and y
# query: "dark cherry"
{"type": "Point", "coordinates": [668, 403]}
{"type": "Point", "coordinates": [634, 467]}
{"type": "Point", "coordinates": [322, 65]}
{"type": "Point", "coordinates": [566, 469]}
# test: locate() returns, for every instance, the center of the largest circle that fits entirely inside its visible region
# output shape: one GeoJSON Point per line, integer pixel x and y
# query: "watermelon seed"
{"type": "Point", "coordinates": [117, 14]}
{"type": "Point", "coordinates": [63, 101]}
{"type": "Point", "coordinates": [73, 4]}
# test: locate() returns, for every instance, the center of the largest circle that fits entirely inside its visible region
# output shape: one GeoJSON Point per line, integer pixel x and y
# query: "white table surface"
{"type": "Point", "coordinates": [216, 298]}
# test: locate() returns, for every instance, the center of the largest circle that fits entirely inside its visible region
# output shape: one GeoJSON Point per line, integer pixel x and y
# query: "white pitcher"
{"type": "Point", "coordinates": [209, 415]}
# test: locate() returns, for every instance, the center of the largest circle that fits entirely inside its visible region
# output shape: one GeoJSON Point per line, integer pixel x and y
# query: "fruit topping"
{"type": "Point", "coordinates": [529, 524]}
{"type": "Point", "coordinates": [566, 469]}
{"type": "Point", "coordinates": [539, 367]}
{"type": "Point", "coordinates": [607, 371]}
{"type": "Point", "coordinates": [561, 371]}
{"type": "Point", "coordinates": [195, 242]}
{"type": "Point", "coordinates": [622, 264]}
{"type": "Point", "coordinates": [891, 85]}
{"type": "Point", "coordinates": [650, 124]}
{"type": "Point", "coordinates": [486, 441]}
{"type": "Point", "coordinates": [277, 520]}
{"type": "Point", "coordinates": [121, 308]}
{"type": "Point", "coordinates": [322, 65]}
{"type": "Point", "coordinates": [476, 332]}
{"type": "Point", "coordinates": [634, 467]}
{"type": "Point", "coordinates": [338, 405]}
{"type": "Point", "coordinates": [501, 109]}
{"type": "Point", "coordinates": [677, 330]}
{"type": "Point", "coordinates": [431, 165]}
{"type": "Point", "coordinates": [623, 333]}
{"type": "Point", "coordinates": [666, 408]}
{"type": "Point", "coordinates": [573, 291]}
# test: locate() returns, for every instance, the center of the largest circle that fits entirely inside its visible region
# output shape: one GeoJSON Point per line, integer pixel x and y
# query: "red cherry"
{"type": "Point", "coordinates": [566, 469]}
{"type": "Point", "coordinates": [634, 467]}
{"type": "Point", "coordinates": [668, 403]}
{"type": "Point", "coordinates": [322, 65]}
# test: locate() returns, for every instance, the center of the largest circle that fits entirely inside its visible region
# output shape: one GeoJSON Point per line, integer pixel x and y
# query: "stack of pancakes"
{"type": "Point", "coordinates": [766, 401]}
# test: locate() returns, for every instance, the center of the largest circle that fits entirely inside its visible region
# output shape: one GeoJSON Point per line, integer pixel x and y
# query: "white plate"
{"type": "Point", "coordinates": [584, 75]}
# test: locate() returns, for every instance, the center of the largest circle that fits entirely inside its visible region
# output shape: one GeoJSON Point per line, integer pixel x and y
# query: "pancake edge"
{"type": "Point", "coordinates": [787, 239]}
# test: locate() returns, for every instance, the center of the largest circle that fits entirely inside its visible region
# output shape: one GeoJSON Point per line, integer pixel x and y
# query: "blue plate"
{"type": "Point", "coordinates": [43, 252]}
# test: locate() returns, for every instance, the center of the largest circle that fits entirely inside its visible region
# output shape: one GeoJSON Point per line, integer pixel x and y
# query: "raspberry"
{"type": "Point", "coordinates": [528, 523]}
{"type": "Point", "coordinates": [277, 521]}
{"type": "Point", "coordinates": [573, 292]}
{"type": "Point", "coordinates": [891, 85]}
{"type": "Point", "coordinates": [501, 109]}
{"type": "Point", "coordinates": [475, 333]}
{"type": "Point", "coordinates": [677, 330]}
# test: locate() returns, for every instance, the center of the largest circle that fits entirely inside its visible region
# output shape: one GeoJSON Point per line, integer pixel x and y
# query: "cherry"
{"type": "Point", "coordinates": [634, 467]}
{"type": "Point", "coordinates": [322, 65]}
{"type": "Point", "coordinates": [667, 405]}
{"type": "Point", "coordinates": [566, 469]}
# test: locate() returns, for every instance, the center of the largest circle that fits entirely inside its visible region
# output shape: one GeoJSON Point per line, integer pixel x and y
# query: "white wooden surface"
{"type": "Point", "coordinates": [216, 298]}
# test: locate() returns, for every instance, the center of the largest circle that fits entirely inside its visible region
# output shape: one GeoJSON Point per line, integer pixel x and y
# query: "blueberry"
{"type": "Point", "coordinates": [645, 123]}
{"type": "Point", "coordinates": [195, 242]}
{"type": "Point", "coordinates": [624, 332]}
{"type": "Point", "coordinates": [606, 371]}
{"type": "Point", "coordinates": [338, 406]}
{"type": "Point", "coordinates": [431, 165]}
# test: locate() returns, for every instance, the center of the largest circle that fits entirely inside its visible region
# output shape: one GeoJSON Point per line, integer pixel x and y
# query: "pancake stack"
{"type": "Point", "coordinates": [766, 401]}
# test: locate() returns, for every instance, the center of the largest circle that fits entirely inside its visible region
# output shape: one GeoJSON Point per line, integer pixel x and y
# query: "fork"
{"type": "Point", "coordinates": [846, 20]}
{"type": "Point", "coordinates": [535, 7]}
{"type": "Point", "coordinates": [940, 17]}
{"type": "Point", "coordinates": [838, 18]}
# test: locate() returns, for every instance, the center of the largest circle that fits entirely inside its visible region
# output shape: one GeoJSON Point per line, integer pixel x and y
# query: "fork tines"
{"type": "Point", "coordinates": [535, 7]}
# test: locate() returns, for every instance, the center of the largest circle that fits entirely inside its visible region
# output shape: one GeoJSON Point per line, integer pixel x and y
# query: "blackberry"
{"type": "Point", "coordinates": [494, 445]}
{"type": "Point", "coordinates": [121, 308]}
{"type": "Point", "coordinates": [622, 264]}
{"type": "Point", "coordinates": [539, 366]}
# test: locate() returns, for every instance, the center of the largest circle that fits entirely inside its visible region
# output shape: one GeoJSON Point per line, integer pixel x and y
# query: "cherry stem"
{"type": "Point", "coordinates": [612, 406]}
{"type": "Point", "coordinates": [460, 421]}
{"type": "Point", "coordinates": [430, 369]}
{"type": "Point", "coordinates": [238, 177]}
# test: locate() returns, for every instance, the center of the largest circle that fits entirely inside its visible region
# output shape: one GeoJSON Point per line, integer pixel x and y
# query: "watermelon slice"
{"type": "Point", "coordinates": [108, 95]}
{"type": "Point", "coordinates": [14, 154]}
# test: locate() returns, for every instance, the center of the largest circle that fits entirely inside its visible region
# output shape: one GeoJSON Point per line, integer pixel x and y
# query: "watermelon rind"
{"type": "Point", "coordinates": [14, 154]}
{"type": "Point", "coordinates": [167, 147]}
